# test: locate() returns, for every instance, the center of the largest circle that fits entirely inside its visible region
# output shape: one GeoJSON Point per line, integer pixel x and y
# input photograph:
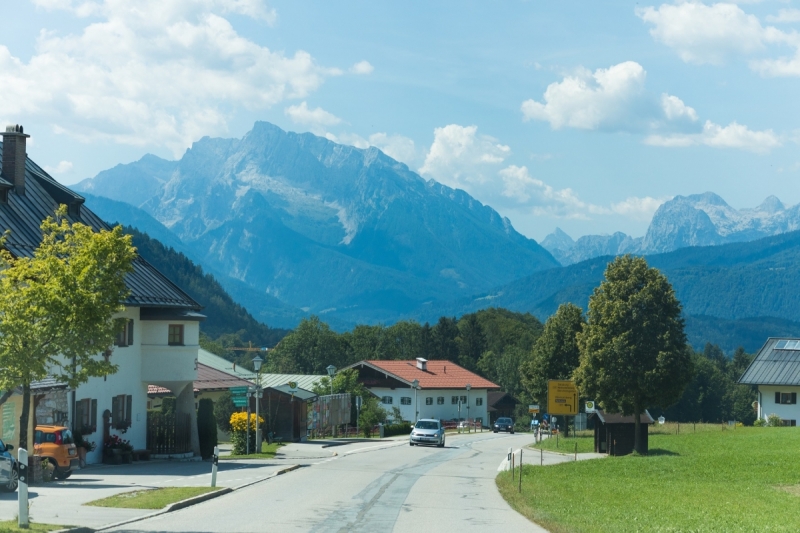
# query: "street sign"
{"type": "Point", "coordinates": [239, 401]}
{"type": "Point", "coordinates": [293, 385]}
{"type": "Point", "coordinates": [590, 408]}
{"type": "Point", "coordinates": [238, 391]}
{"type": "Point", "coordinates": [562, 397]}
{"type": "Point", "coordinates": [533, 408]}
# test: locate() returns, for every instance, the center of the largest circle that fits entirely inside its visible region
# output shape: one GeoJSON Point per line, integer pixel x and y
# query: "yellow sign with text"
{"type": "Point", "coordinates": [562, 398]}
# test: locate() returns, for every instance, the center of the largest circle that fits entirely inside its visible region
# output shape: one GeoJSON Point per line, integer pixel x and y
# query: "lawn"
{"type": "Point", "coordinates": [151, 498]}
{"type": "Point", "coordinates": [584, 440]}
{"type": "Point", "coordinates": [9, 526]}
{"type": "Point", "coordinates": [267, 452]}
{"type": "Point", "coordinates": [743, 479]}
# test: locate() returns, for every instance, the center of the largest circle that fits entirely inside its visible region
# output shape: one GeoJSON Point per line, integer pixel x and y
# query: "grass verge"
{"type": "Point", "coordinates": [735, 480]}
{"type": "Point", "coordinates": [559, 444]}
{"type": "Point", "coordinates": [151, 498]}
{"type": "Point", "coordinates": [268, 451]}
{"type": "Point", "coordinates": [9, 526]}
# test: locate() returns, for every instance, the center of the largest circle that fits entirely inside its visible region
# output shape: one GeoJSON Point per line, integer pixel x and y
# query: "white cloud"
{"type": "Point", "coordinates": [362, 67]}
{"type": "Point", "coordinates": [785, 16]}
{"type": "Point", "coordinates": [608, 98]}
{"type": "Point", "coordinates": [675, 109]}
{"type": "Point", "coordinates": [317, 119]}
{"type": "Point", "coordinates": [733, 135]}
{"type": "Point", "coordinates": [397, 147]}
{"type": "Point", "coordinates": [460, 157]}
{"type": "Point", "coordinates": [62, 168]}
{"type": "Point", "coordinates": [152, 72]}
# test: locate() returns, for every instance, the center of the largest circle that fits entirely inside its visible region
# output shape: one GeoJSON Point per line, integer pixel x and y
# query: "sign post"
{"type": "Point", "coordinates": [214, 461]}
{"type": "Point", "coordinates": [358, 412]}
{"type": "Point", "coordinates": [22, 489]}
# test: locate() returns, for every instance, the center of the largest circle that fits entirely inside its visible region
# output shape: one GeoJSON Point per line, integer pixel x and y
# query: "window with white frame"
{"type": "Point", "coordinates": [464, 400]}
{"type": "Point", "coordinates": [429, 400]}
{"type": "Point", "coordinates": [440, 400]}
{"type": "Point", "coordinates": [478, 401]}
{"type": "Point", "coordinates": [386, 400]}
{"type": "Point", "coordinates": [405, 400]}
{"type": "Point", "coordinates": [125, 335]}
{"type": "Point", "coordinates": [454, 400]}
{"type": "Point", "coordinates": [786, 398]}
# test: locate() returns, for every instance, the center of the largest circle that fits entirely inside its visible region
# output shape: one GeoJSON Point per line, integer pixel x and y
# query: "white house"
{"type": "Point", "coordinates": [159, 345]}
{"type": "Point", "coordinates": [427, 389]}
{"type": "Point", "coordinates": [776, 372]}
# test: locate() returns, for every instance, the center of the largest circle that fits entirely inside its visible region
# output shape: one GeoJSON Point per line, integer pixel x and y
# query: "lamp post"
{"type": "Point", "coordinates": [257, 365]}
{"type": "Point", "coordinates": [415, 384]}
{"type": "Point", "coordinates": [468, 388]}
{"type": "Point", "coordinates": [331, 371]}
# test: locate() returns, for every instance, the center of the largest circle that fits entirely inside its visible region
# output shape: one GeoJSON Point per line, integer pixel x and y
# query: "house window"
{"type": "Point", "coordinates": [176, 334]}
{"type": "Point", "coordinates": [786, 398]}
{"type": "Point", "coordinates": [387, 400]}
{"type": "Point", "coordinates": [464, 400]}
{"type": "Point", "coordinates": [125, 336]}
{"type": "Point", "coordinates": [429, 400]}
{"type": "Point", "coordinates": [440, 400]}
{"type": "Point", "coordinates": [788, 422]}
{"type": "Point", "coordinates": [454, 400]}
{"type": "Point", "coordinates": [121, 407]}
{"type": "Point", "coordinates": [86, 416]}
{"type": "Point", "coordinates": [478, 401]}
{"type": "Point", "coordinates": [405, 400]}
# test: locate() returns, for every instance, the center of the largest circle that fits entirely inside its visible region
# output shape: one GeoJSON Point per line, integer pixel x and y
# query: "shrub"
{"type": "Point", "coordinates": [239, 424]}
{"type": "Point", "coordinates": [206, 428]}
{"type": "Point", "coordinates": [403, 428]}
{"type": "Point", "coordinates": [774, 421]}
{"type": "Point", "coordinates": [759, 422]}
{"type": "Point", "coordinates": [223, 409]}
{"type": "Point", "coordinates": [168, 406]}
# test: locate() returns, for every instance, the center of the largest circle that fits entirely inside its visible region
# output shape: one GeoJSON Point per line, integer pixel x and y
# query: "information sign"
{"type": "Point", "coordinates": [590, 408]}
{"type": "Point", "coordinates": [239, 401]}
{"type": "Point", "coordinates": [562, 397]}
{"type": "Point", "coordinates": [238, 391]}
{"type": "Point", "coordinates": [533, 408]}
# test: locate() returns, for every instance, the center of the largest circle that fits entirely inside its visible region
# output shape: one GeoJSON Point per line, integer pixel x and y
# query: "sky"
{"type": "Point", "coordinates": [581, 115]}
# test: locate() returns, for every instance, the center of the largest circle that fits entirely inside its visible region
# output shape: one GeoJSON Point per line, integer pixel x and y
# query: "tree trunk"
{"type": "Point", "coordinates": [23, 418]}
{"type": "Point", "coordinates": [5, 396]}
{"type": "Point", "coordinates": [637, 437]}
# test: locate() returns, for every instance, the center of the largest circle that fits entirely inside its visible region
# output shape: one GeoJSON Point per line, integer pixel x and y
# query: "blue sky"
{"type": "Point", "coordinates": [583, 115]}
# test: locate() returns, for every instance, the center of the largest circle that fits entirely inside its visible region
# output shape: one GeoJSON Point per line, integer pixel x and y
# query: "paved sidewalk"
{"type": "Point", "coordinates": [538, 457]}
{"type": "Point", "coordinates": [61, 502]}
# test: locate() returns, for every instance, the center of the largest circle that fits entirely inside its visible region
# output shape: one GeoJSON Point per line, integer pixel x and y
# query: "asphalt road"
{"type": "Point", "coordinates": [390, 489]}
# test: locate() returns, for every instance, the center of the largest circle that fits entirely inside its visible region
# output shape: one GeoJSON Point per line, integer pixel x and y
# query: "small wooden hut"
{"type": "Point", "coordinates": [614, 434]}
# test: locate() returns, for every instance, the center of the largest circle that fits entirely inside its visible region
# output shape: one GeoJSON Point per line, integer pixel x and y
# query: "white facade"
{"type": "Point", "coordinates": [148, 360]}
{"type": "Point", "coordinates": [441, 406]}
{"type": "Point", "coordinates": [787, 408]}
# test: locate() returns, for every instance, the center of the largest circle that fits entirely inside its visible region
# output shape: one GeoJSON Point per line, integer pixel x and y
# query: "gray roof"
{"type": "Point", "coordinates": [776, 363]}
{"type": "Point", "coordinates": [220, 363]}
{"type": "Point", "coordinates": [303, 381]}
{"type": "Point", "coordinates": [619, 418]}
{"type": "Point", "coordinates": [23, 215]}
{"type": "Point", "coordinates": [298, 393]}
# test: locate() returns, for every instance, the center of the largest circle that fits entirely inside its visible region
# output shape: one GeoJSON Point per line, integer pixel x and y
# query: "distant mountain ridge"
{"type": "Point", "coordinates": [323, 227]}
{"type": "Point", "coordinates": [695, 220]}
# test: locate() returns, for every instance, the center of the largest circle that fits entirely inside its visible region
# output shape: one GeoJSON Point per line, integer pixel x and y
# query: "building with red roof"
{"type": "Point", "coordinates": [427, 389]}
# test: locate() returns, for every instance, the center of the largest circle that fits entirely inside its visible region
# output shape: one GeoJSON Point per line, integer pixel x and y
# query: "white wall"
{"type": "Point", "coordinates": [767, 405]}
{"type": "Point", "coordinates": [446, 411]}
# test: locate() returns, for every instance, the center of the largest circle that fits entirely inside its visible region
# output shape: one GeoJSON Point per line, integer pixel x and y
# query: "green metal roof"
{"type": "Point", "coordinates": [304, 381]}
{"type": "Point", "coordinates": [299, 393]}
{"type": "Point", "coordinates": [223, 365]}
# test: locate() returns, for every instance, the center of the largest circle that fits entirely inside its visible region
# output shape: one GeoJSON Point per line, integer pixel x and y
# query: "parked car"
{"type": "Point", "coordinates": [427, 431]}
{"type": "Point", "coordinates": [9, 473]}
{"type": "Point", "coordinates": [503, 424]}
{"type": "Point", "coordinates": [58, 446]}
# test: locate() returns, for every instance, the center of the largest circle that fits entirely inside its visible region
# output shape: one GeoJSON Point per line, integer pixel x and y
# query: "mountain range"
{"type": "Point", "coordinates": [695, 220]}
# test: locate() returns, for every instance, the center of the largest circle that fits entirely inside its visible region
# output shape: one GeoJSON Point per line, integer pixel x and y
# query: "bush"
{"type": "Point", "coordinates": [239, 424]}
{"type": "Point", "coordinates": [404, 428]}
{"type": "Point", "coordinates": [206, 427]}
{"type": "Point", "coordinates": [774, 421]}
{"type": "Point", "coordinates": [169, 406]}
{"type": "Point", "coordinates": [759, 422]}
{"type": "Point", "coordinates": [223, 409]}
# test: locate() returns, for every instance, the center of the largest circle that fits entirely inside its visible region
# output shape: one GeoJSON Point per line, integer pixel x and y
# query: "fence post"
{"type": "Point", "coordinates": [576, 451]}
{"type": "Point", "coordinates": [512, 465]}
{"type": "Point", "coordinates": [541, 456]}
{"type": "Point", "coordinates": [520, 470]}
{"type": "Point", "coordinates": [214, 461]}
{"type": "Point", "coordinates": [22, 489]}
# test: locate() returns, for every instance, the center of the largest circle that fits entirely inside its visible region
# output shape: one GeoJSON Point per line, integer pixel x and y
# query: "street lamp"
{"type": "Point", "coordinates": [415, 384]}
{"type": "Point", "coordinates": [468, 388]}
{"type": "Point", "coordinates": [331, 371]}
{"type": "Point", "coordinates": [257, 365]}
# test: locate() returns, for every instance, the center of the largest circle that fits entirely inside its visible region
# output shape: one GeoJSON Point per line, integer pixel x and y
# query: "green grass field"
{"type": "Point", "coordinates": [743, 479]}
{"type": "Point", "coordinates": [151, 498]}
{"type": "Point", "coordinates": [9, 526]}
{"type": "Point", "coordinates": [267, 452]}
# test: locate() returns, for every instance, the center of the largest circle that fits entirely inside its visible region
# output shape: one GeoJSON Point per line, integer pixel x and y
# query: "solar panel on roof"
{"type": "Point", "coordinates": [780, 345]}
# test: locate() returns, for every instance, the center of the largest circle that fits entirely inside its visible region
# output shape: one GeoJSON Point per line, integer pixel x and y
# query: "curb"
{"type": "Point", "coordinates": [188, 502]}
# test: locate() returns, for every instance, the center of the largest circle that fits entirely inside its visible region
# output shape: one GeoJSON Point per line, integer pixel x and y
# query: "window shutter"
{"type": "Point", "coordinates": [777, 397]}
{"type": "Point", "coordinates": [78, 420]}
{"type": "Point", "coordinates": [130, 332]}
{"type": "Point", "coordinates": [794, 397]}
{"type": "Point", "coordinates": [93, 419]}
{"type": "Point", "coordinates": [128, 407]}
{"type": "Point", "coordinates": [115, 410]}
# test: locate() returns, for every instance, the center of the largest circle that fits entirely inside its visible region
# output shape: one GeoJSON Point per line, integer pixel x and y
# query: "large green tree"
{"type": "Point", "coordinates": [633, 349]}
{"type": "Point", "coordinates": [57, 306]}
{"type": "Point", "coordinates": [555, 353]}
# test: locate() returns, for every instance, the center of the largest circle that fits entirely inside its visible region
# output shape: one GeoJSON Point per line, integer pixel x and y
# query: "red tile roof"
{"type": "Point", "coordinates": [439, 375]}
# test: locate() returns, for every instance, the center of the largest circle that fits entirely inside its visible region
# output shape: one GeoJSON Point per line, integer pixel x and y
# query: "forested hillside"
{"type": "Point", "coordinates": [228, 322]}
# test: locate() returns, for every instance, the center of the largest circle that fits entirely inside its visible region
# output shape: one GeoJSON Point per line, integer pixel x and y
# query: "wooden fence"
{"type": "Point", "coordinates": [168, 435]}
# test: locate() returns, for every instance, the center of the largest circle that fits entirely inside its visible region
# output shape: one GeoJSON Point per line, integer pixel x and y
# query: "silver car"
{"type": "Point", "coordinates": [427, 431]}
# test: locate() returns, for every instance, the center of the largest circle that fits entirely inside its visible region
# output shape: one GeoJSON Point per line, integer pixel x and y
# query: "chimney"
{"type": "Point", "coordinates": [14, 156]}
{"type": "Point", "coordinates": [422, 364]}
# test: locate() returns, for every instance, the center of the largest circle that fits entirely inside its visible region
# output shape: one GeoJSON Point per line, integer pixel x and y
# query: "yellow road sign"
{"type": "Point", "coordinates": [533, 408]}
{"type": "Point", "coordinates": [562, 398]}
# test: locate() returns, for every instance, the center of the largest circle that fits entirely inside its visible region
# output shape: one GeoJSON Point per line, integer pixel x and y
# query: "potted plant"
{"type": "Point", "coordinates": [116, 450]}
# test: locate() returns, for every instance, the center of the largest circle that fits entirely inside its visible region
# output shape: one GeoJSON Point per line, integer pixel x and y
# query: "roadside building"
{"type": "Point", "coordinates": [775, 370]}
{"type": "Point", "coordinates": [158, 346]}
{"type": "Point", "coordinates": [500, 404]}
{"type": "Point", "coordinates": [443, 390]}
{"type": "Point", "coordinates": [615, 433]}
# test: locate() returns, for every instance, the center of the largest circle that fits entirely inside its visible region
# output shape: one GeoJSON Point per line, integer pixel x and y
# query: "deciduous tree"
{"type": "Point", "coordinates": [633, 349]}
{"type": "Point", "coordinates": [57, 306]}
